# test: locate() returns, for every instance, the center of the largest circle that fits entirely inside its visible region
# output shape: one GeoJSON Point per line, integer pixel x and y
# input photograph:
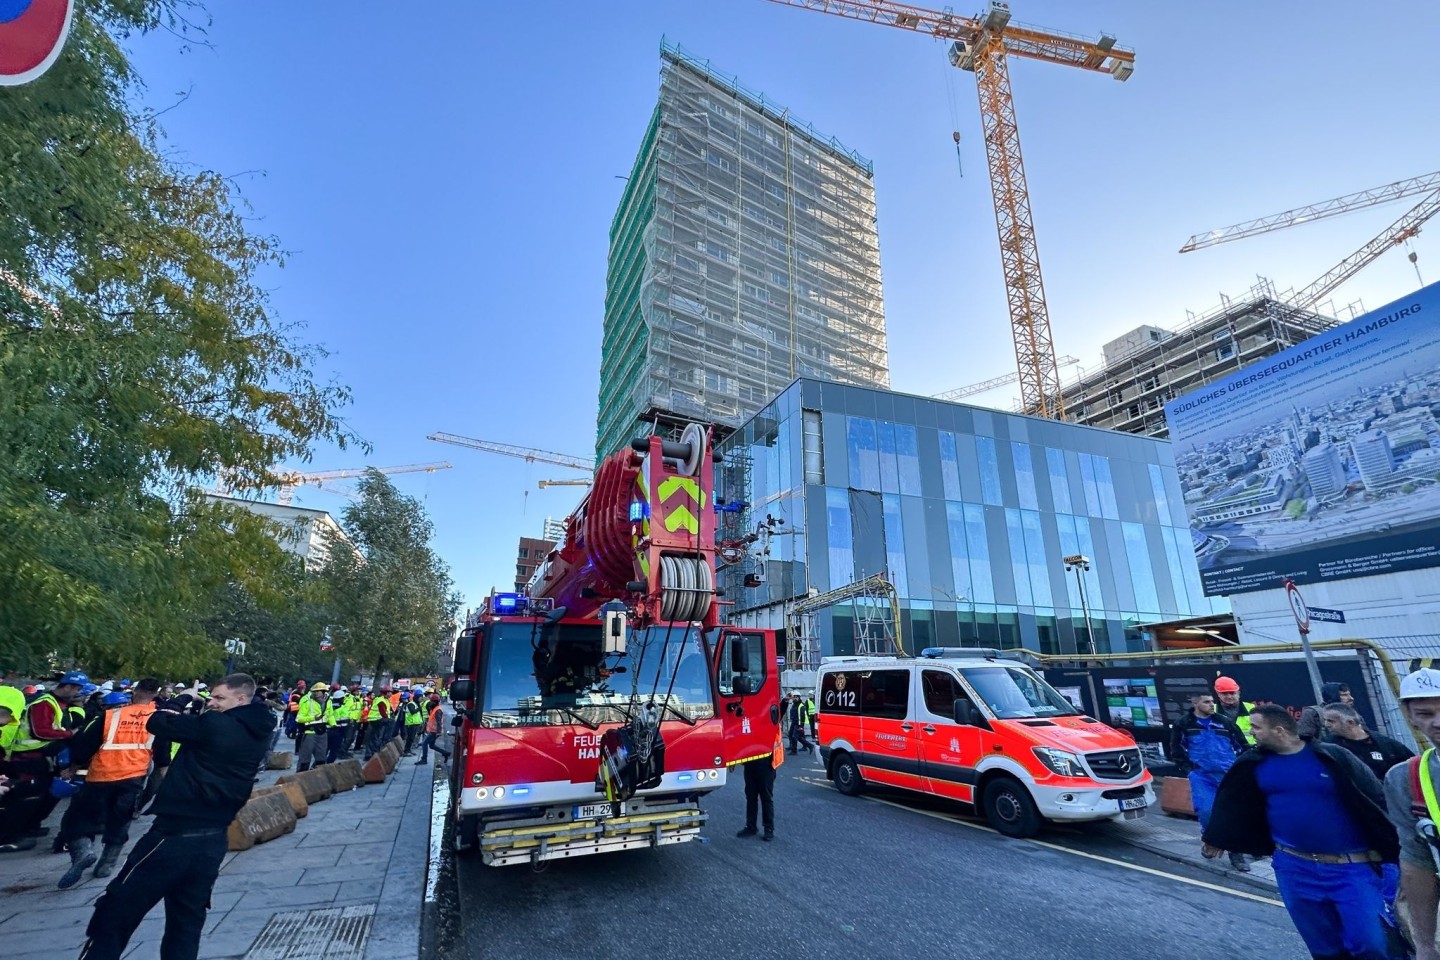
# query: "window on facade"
{"type": "Point", "coordinates": [949, 465]}
{"type": "Point", "coordinates": [1024, 475]}
{"type": "Point", "coordinates": [524, 552]}
{"type": "Point", "coordinates": [989, 470]}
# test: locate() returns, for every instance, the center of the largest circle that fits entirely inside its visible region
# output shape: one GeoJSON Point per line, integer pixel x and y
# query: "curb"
{"type": "Point", "coordinates": [1243, 879]}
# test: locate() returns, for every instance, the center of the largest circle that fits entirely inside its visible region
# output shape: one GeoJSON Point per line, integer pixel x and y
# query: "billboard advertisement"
{"type": "Point", "coordinates": [1321, 462]}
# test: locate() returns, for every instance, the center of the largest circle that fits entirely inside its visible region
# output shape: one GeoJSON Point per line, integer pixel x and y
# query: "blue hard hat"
{"type": "Point", "coordinates": [116, 699]}
{"type": "Point", "coordinates": [88, 689]}
{"type": "Point", "coordinates": [123, 683]}
{"type": "Point", "coordinates": [61, 788]}
{"type": "Point", "coordinates": [404, 696]}
{"type": "Point", "coordinates": [77, 677]}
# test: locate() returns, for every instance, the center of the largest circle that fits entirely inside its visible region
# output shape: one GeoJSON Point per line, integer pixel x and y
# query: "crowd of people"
{"type": "Point", "coordinates": [190, 755]}
{"type": "Point", "coordinates": [1347, 815]}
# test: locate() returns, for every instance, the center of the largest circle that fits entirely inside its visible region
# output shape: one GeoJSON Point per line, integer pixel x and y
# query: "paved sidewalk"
{"type": "Point", "coordinates": [1178, 838]}
{"type": "Point", "coordinates": [352, 873]}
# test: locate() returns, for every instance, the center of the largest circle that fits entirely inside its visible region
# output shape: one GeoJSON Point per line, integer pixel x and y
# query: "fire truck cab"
{"type": "Point", "coordinates": [965, 724]}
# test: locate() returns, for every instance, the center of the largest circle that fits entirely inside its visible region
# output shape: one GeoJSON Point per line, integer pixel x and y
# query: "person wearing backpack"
{"type": "Point", "coordinates": [1412, 800]}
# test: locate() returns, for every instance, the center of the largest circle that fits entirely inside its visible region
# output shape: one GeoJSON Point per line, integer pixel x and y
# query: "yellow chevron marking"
{"type": "Point", "coordinates": [670, 484]}
{"type": "Point", "coordinates": [682, 517]}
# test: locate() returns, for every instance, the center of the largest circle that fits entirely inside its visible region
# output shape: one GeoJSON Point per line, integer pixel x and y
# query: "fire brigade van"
{"type": "Point", "coordinates": [965, 724]}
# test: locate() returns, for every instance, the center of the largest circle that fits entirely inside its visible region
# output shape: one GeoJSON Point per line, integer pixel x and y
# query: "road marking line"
{"type": "Point", "coordinates": [1090, 856]}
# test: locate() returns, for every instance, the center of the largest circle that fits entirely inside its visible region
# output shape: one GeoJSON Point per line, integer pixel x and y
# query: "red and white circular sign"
{"type": "Point", "coordinates": [1297, 606]}
{"type": "Point", "coordinates": [32, 32]}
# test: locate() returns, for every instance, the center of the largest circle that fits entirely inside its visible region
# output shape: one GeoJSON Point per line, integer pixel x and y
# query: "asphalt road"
{"type": "Point", "coordinates": [877, 877]}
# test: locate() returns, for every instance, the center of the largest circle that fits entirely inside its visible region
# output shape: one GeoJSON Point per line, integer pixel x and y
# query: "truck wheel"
{"type": "Point", "coordinates": [847, 776]}
{"type": "Point", "coordinates": [1009, 809]}
{"type": "Point", "coordinates": [467, 836]}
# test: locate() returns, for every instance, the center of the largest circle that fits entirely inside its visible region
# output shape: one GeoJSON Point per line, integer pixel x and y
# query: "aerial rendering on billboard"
{"type": "Point", "coordinates": [1321, 462]}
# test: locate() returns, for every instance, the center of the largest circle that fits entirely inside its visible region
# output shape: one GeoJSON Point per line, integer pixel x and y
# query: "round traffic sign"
{"type": "Point", "coordinates": [31, 35]}
{"type": "Point", "coordinates": [1297, 606]}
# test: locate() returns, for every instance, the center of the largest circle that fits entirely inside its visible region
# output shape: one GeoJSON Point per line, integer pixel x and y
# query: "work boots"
{"type": "Point", "coordinates": [82, 856]}
{"type": "Point", "coordinates": [108, 859]}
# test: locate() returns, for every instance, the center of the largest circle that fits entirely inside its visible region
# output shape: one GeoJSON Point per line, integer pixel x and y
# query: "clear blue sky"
{"type": "Point", "coordinates": [446, 178]}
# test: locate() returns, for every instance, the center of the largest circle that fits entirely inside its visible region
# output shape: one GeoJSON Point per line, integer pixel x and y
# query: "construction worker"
{"type": "Point", "coordinates": [337, 720]}
{"type": "Point", "coordinates": [1412, 794]}
{"type": "Point", "coordinates": [1231, 707]}
{"type": "Point", "coordinates": [292, 707]}
{"type": "Point", "coordinates": [41, 737]}
{"type": "Point", "coordinates": [312, 731]}
{"type": "Point", "coordinates": [379, 723]}
{"type": "Point", "coordinates": [412, 716]}
{"type": "Point", "coordinates": [433, 714]}
{"type": "Point", "coordinates": [118, 749]}
{"type": "Point", "coordinates": [359, 713]}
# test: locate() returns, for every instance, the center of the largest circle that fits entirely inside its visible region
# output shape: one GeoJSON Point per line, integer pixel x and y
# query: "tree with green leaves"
{"type": "Point", "coordinates": [391, 596]}
{"type": "Point", "coordinates": [139, 358]}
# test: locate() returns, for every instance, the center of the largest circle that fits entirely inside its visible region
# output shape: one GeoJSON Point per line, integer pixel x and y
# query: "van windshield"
{"type": "Point", "coordinates": [1013, 693]}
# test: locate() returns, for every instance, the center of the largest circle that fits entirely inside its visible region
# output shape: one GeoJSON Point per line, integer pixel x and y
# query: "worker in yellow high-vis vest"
{"type": "Point", "coordinates": [312, 733]}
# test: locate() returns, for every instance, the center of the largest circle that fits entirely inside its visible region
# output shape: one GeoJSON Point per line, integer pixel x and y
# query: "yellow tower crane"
{"type": "Point", "coordinates": [981, 45]}
{"type": "Point", "coordinates": [289, 481]}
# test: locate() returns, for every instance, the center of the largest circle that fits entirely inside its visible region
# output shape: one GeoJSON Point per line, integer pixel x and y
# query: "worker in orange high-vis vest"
{"type": "Point", "coordinates": [120, 752]}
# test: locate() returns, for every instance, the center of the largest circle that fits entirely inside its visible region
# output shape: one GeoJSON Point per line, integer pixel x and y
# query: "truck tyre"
{"type": "Point", "coordinates": [467, 836]}
{"type": "Point", "coordinates": [847, 776]}
{"type": "Point", "coordinates": [1009, 808]}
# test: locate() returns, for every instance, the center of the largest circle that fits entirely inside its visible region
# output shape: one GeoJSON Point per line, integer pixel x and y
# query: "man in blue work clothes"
{"type": "Point", "coordinates": [1205, 744]}
{"type": "Point", "coordinates": [1321, 813]}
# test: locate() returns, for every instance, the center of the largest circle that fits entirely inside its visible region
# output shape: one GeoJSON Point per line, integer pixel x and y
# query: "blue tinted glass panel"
{"type": "Point", "coordinates": [1035, 555]}
{"type": "Point", "coordinates": [864, 456]}
{"type": "Point", "coordinates": [977, 551]}
{"type": "Point", "coordinates": [1157, 487]}
{"type": "Point", "coordinates": [989, 470]}
{"type": "Point", "coordinates": [837, 529]}
{"type": "Point", "coordinates": [1069, 547]}
{"type": "Point", "coordinates": [1175, 562]}
{"type": "Point", "coordinates": [959, 561]}
{"type": "Point", "coordinates": [1020, 569]}
{"type": "Point", "coordinates": [949, 466]}
{"type": "Point", "coordinates": [1059, 482]}
{"type": "Point", "coordinates": [1092, 491]}
{"type": "Point", "coordinates": [1109, 509]}
{"type": "Point", "coordinates": [834, 439]}
{"type": "Point", "coordinates": [907, 452]}
{"type": "Point", "coordinates": [889, 470]}
{"type": "Point", "coordinates": [1094, 594]}
{"type": "Point", "coordinates": [895, 546]}
{"type": "Point", "coordinates": [1142, 574]}
{"type": "Point", "coordinates": [1024, 476]}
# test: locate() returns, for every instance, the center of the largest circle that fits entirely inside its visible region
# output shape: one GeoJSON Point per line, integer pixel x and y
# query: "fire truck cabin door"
{"type": "Point", "coordinates": [748, 684]}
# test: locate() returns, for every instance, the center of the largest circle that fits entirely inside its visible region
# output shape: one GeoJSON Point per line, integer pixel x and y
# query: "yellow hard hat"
{"type": "Point", "coordinates": [322, 687]}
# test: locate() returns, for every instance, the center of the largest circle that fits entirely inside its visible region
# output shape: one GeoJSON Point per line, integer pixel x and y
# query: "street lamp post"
{"type": "Point", "coordinates": [1080, 565]}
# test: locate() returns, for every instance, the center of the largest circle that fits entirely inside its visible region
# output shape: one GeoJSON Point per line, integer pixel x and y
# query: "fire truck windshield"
{"type": "Point", "coordinates": [538, 675]}
{"type": "Point", "coordinates": [1015, 694]}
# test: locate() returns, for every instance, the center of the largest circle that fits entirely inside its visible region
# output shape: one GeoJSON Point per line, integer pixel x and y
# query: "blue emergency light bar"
{"type": "Point", "coordinates": [509, 603]}
{"type": "Point", "coordinates": [639, 510]}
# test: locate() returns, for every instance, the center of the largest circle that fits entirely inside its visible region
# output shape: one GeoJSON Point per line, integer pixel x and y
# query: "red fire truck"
{"type": "Point", "coordinates": [596, 711]}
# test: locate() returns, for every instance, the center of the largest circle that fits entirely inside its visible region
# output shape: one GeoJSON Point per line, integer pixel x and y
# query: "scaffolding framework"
{"type": "Point", "coordinates": [1130, 391]}
{"type": "Point", "coordinates": [744, 254]}
{"type": "Point", "coordinates": [875, 612]}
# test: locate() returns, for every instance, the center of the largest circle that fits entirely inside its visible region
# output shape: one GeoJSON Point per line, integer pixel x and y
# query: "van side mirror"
{"type": "Point", "coordinates": [616, 631]}
{"type": "Point", "coordinates": [465, 653]}
{"type": "Point", "coordinates": [462, 690]}
{"type": "Point", "coordinates": [739, 653]}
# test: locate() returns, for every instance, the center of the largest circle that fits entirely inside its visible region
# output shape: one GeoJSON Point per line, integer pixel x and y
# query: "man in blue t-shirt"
{"type": "Point", "coordinates": [1321, 813]}
{"type": "Point", "coordinates": [1205, 744]}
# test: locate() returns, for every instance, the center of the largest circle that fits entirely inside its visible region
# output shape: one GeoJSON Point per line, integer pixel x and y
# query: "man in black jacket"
{"type": "Point", "coordinates": [179, 858]}
{"type": "Point", "coordinates": [1321, 813]}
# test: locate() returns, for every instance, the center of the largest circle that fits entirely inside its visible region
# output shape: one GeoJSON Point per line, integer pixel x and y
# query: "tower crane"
{"type": "Point", "coordinates": [1395, 234]}
{"type": "Point", "coordinates": [527, 454]}
{"type": "Point", "coordinates": [985, 386]}
{"type": "Point", "coordinates": [289, 481]}
{"type": "Point", "coordinates": [580, 482]}
{"type": "Point", "coordinates": [982, 45]}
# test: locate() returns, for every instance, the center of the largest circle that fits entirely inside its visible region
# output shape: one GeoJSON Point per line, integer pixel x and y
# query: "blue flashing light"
{"type": "Point", "coordinates": [509, 603]}
{"type": "Point", "coordinates": [519, 791]}
{"type": "Point", "coordinates": [639, 510]}
{"type": "Point", "coordinates": [684, 778]}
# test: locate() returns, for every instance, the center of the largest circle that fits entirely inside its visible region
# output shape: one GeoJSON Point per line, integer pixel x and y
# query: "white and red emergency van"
{"type": "Point", "coordinates": [966, 724]}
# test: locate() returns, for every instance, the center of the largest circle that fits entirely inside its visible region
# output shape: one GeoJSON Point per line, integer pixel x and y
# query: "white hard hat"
{"type": "Point", "coordinates": [337, 695]}
{"type": "Point", "coordinates": [1421, 684]}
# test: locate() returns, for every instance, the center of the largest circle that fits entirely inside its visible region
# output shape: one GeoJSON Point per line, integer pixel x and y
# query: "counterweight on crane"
{"type": "Point", "coordinates": [982, 45]}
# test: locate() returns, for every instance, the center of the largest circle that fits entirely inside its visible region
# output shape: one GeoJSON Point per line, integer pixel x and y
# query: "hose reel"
{"type": "Point", "coordinates": [687, 588]}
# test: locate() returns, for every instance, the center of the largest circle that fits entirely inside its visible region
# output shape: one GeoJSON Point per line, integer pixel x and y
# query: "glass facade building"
{"type": "Point", "coordinates": [969, 512]}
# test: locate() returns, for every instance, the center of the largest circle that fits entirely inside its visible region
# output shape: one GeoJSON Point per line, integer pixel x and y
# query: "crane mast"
{"type": "Point", "coordinates": [983, 45]}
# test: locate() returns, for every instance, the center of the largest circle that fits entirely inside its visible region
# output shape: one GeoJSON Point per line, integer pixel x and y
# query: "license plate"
{"type": "Point", "coordinates": [595, 811]}
{"type": "Point", "coordinates": [1133, 803]}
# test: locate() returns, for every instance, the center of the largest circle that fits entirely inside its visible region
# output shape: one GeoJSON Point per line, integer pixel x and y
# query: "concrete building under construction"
{"type": "Point", "coordinates": [743, 254]}
{"type": "Point", "coordinates": [1151, 365]}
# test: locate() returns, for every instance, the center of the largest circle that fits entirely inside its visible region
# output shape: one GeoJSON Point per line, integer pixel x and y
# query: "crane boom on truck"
{"type": "Point", "coordinates": [598, 709]}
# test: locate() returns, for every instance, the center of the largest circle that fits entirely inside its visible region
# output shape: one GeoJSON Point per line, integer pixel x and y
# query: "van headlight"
{"type": "Point", "coordinates": [1061, 762]}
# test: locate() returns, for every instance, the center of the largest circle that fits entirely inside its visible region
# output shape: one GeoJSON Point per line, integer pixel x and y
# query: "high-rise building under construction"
{"type": "Point", "coordinates": [744, 254]}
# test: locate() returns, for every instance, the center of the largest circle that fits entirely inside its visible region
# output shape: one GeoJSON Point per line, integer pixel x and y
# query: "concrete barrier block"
{"type": "Point", "coordinates": [280, 760]}
{"type": "Point", "coordinates": [374, 770]}
{"type": "Point", "coordinates": [344, 775]}
{"type": "Point", "coordinates": [315, 783]}
{"type": "Point", "coordinates": [261, 819]}
{"type": "Point", "coordinates": [1175, 797]}
{"type": "Point", "coordinates": [293, 792]}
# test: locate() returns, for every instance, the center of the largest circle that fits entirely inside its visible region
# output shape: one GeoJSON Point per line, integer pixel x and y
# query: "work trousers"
{"type": "Point", "coordinates": [22, 810]}
{"type": "Point", "coordinates": [361, 730]}
{"type": "Point", "coordinates": [339, 748]}
{"type": "Point", "coordinates": [428, 743]}
{"type": "Point", "coordinates": [179, 868]}
{"type": "Point", "coordinates": [760, 789]}
{"type": "Point", "coordinates": [410, 731]}
{"type": "Point", "coordinates": [1202, 794]}
{"type": "Point", "coordinates": [107, 806]}
{"type": "Point", "coordinates": [1339, 909]}
{"type": "Point", "coordinates": [377, 738]}
{"type": "Point", "coordinates": [310, 749]}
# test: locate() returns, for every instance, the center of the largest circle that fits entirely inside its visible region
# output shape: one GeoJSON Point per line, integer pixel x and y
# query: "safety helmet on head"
{"type": "Point", "coordinates": [1226, 685]}
{"type": "Point", "coordinates": [88, 689]}
{"type": "Point", "coordinates": [107, 686]}
{"type": "Point", "coordinates": [1421, 685]}
{"type": "Point", "coordinates": [404, 696]}
{"type": "Point", "coordinates": [29, 690]}
{"type": "Point", "coordinates": [321, 687]}
{"type": "Point", "coordinates": [74, 678]}
{"type": "Point", "coordinates": [124, 684]}
{"type": "Point", "coordinates": [338, 695]}
{"type": "Point", "coordinates": [118, 698]}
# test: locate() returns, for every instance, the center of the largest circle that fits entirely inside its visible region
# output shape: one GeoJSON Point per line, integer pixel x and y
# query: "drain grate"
{"type": "Point", "coordinates": [332, 933]}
